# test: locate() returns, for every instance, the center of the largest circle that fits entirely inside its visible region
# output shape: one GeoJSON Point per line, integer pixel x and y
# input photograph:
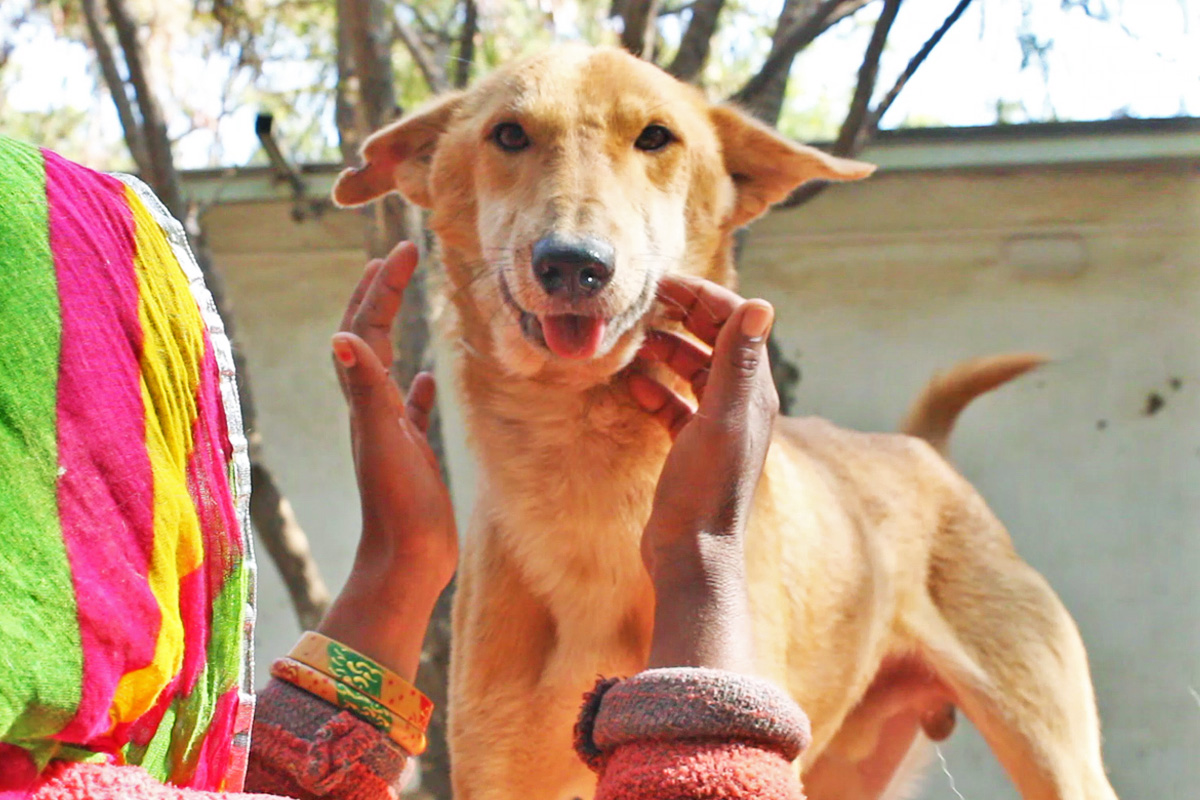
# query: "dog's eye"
{"type": "Point", "coordinates": [510, 136]}
{"type": "Point", "coordinates": [655, 137]}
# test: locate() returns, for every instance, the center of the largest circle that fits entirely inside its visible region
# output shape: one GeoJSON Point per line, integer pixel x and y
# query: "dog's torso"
{"type": "Point", "coordinates": [570, 479]}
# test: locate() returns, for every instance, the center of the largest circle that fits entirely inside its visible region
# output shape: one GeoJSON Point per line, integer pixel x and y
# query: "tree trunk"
{"type": "Point", "coordinates": [466, 44]}
{"type": "Point", "coordinates": [270, 512]}
{"type": "Point", "coordinates": [366, 102]}
{"type": "Point", "coordinates": [639, 25]}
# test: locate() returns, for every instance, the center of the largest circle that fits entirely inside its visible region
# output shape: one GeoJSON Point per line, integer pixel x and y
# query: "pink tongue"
{"type": "Point", "coordinates": [573, 336]}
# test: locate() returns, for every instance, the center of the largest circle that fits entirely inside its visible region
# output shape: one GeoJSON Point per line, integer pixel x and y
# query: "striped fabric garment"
{"type": "Point", "coordinates": [126, 580]}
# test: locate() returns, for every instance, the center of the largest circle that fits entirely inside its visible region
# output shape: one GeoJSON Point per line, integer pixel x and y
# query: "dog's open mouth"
{"type": "Point", "coordinates": [573, 336]}
{"type": "Point", "coordinates": [566, 335]}
{"type": "Point", "coordinates": [579, 337]}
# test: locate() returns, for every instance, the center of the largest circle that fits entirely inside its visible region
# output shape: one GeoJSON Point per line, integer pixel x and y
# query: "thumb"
{"type": "Point", "coordinates": [363, 376]}
{"type": "Point", "coordinates": [739, 361]}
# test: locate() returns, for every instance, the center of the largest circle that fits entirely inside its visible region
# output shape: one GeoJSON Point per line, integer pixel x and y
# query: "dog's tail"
{"type": "Point", "coordinates": [932, 416]}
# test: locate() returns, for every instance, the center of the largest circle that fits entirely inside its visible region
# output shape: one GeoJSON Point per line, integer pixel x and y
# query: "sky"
{"type": "Point", "coordinates": [1143, 63]}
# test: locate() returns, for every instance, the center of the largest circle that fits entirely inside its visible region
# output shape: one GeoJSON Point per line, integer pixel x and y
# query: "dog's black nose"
{"type": "Point", "coordinates": [573, 266]}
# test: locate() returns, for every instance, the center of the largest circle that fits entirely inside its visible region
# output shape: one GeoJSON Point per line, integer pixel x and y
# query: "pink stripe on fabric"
{"type": "Point", "coordinates": [208, 484]}
{"type": "Point", "coordinates": [18, 773]}
{"type": "Point", "coordinates": [106, 491]}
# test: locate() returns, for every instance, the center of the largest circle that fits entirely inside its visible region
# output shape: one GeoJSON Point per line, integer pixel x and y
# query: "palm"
{"type": "Point", "coordinates": [405, 503]}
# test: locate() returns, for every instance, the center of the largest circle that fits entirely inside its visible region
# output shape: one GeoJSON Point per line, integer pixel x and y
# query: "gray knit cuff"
{"type": "Point", "coordinates": [695, 703]}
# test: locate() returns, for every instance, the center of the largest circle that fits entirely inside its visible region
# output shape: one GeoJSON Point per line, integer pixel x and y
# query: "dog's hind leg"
{"type": "Point", "coordinates": [878, 751]}
{"type": "Point", "coordinates": [1005, 645]}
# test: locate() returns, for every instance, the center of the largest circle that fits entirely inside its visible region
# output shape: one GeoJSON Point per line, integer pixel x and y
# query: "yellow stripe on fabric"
{"type": "Point", "coordinates": [171, 359]}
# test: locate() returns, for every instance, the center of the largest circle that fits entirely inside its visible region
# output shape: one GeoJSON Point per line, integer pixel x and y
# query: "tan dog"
{"type": "Point", "coordinates": [884, 591]}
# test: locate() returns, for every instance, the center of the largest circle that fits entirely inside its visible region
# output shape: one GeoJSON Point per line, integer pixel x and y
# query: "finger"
{"type": "Point", "coordinates": [360, 291]}
{"type": "Point", "coordinates": [421, 396]}
{"type": "Point", "coordinates": [660, 402]}
{"type": "Point", "coordinates": [704, 305]}
{"type": "Point", "coordinates": [368, 386]}
{"type": "Point", "coordinates": [684, 357]}
{"type": "Point", "coordinates": [372, 322]}
{"type": "Point", "coordinates": [740, 366]}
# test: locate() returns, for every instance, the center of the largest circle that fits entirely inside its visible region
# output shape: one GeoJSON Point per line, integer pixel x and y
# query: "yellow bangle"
{"type": "Point", "coordinates": [365, 675]}
{"type": "Point", "coordinates": [410, 738]}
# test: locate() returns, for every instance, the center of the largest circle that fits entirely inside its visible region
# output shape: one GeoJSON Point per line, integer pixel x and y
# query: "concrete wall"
{"type": "Point", "coordinates": [877, 286]}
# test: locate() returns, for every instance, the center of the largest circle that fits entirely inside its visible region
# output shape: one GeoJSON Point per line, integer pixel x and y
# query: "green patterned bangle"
{"type": "Point", "coordinates": [352, 668]}
{"type": "Point", "coordinates": [302, 676]}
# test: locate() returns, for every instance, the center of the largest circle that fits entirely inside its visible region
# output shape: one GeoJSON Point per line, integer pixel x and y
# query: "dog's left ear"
{"type": "Point", "coordinates": [766, 167]}
{"type": "Point", "coordinates": [397, 158]}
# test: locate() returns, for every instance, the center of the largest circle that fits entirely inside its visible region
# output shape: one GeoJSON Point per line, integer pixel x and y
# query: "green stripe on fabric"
{"type": "Point", "coordinates": [221, 668]}
{"type": "Point", "coordinates": [155, 755]}
{"type": "Point", "coordinates": [40, 652]}
{"type": "Point", "coordinates": [176, 746]}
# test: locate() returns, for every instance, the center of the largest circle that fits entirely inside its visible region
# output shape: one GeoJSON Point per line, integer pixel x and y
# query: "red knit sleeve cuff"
{"type": "Point", "coordinates": [692, 733]}
{"type": "Point", "coordinates": [305, 748]}
{"type": "Point", "coordinates": [696, 770]}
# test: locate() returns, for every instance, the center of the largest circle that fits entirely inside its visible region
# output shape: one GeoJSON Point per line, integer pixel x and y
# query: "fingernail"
{"type": "Point", "coordinates": [343, 352]}
{"type": "Point", "coordinates": [756, 320]}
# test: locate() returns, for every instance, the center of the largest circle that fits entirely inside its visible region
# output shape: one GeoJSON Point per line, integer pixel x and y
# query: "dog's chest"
{"type": "Point", "coordinates": [576, 527]}
{"type": "Point", "coordinates": [571, 499]}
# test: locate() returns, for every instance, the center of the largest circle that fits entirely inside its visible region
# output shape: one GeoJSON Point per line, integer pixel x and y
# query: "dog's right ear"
{"type": "Point", "coordinates": [397, 158]}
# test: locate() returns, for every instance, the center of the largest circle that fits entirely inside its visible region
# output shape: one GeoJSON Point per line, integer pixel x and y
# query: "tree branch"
{"type": "Point", "coordinates": [853, 133]}
{"type": "Point", "coordinates": [849, 138]}
{"type": "Point", "coordinates": [697, 40]}
{"type": "Point", "coordinates": [799, 37]}
{"type": "Point", "coordinates": [435, 77]}
{"type": "Point", "coordinates": [670, 11]}
{"type": "Point", "coordinates": [914, 64]}
{"type": "Point", "coordinates": [116, 86]}
{"type": "Point", "coordinates": [286, 543]}
{"type": "Point", "coordinates": [767, 102]}
{"type": "Point", "coordinates": [161, 174]}
{"type": "Point", "coordinates": [466, 44]}
{"type": "Point", "coordinates": [434, 29]}
{"type": "Point", "coordinates": [860, 126]}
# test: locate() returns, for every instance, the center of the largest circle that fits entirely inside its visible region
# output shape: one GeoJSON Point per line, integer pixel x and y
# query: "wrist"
{"type": "Point", "coordinates": [702, 628]}
{"type": "Point", "coordinates": [692, 558]}
{"type": "Point", "coordinates": [702, 616]}
{"type": "Point", "coordinates": [384, 615]}
{"type": "Point", "coordinates": [386, 555]}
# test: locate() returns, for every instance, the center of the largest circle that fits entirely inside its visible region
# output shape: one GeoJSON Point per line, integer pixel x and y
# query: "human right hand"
{"type": "Point", "coordinates": [692, 545]}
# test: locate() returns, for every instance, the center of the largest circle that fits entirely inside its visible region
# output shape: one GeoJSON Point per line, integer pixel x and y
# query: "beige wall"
{"type": "Point", "coordinates": [878, 285]}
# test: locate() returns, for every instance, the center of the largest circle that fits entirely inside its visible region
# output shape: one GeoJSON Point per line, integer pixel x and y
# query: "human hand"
{"type": "Point", "coordinates": [692, 545]}
{"type": "Point", "coordinates": [409, 544]}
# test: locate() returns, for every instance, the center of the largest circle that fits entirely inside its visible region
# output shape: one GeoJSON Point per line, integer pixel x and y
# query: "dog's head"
{"type": "Point", "coordinates": [563, 187]}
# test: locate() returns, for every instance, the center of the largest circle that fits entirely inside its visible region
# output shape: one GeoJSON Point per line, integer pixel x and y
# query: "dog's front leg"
{"type": "Point", "coordinates": [510, 726]}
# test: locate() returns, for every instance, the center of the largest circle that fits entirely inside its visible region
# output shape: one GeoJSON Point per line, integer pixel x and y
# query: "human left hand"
{"type": "Point", "coordinates": [409, 545]}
